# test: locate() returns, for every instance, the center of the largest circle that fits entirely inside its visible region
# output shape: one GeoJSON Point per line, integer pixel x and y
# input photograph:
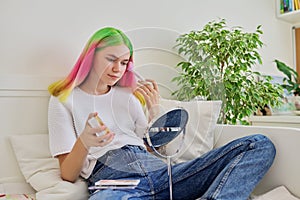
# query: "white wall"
{"type": "Point", "coordinates": [44, 38]}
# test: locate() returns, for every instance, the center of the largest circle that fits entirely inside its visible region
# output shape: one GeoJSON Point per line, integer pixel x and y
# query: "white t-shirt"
{"type": "Point", "coordinates": [119, 109]}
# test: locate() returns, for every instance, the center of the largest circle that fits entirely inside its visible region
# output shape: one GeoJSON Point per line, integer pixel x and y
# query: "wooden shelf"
{"type": "Point", "coordinates": [292, 17]}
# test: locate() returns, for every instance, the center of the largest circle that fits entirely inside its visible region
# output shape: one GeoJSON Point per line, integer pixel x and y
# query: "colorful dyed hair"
{"type": "Point", "coordinates": [110, 37]}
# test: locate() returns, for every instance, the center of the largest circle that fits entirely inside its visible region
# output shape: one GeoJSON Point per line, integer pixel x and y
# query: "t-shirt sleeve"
{"type": "Point", "coordinates": [141, 122]}
{"type": "Point", "coordinates": [60, 125]}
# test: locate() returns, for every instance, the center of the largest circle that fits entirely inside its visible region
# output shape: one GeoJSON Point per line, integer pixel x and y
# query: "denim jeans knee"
{"type": "Point", "coordinates": [266, 143]}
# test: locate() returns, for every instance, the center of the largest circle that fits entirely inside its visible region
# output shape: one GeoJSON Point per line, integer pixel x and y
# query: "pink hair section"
{"type": "Point", "coordinates": [79, 72]}
{"type": "Point", "coordinates": [82, 66]}
{"type": "Point", "coordinates": [128, 79]}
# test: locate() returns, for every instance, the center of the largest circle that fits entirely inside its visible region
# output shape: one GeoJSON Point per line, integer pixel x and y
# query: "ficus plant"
{"type": "Point", "coordinates": [218, 65]}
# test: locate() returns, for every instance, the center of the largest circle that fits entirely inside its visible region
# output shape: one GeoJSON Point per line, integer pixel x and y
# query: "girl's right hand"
{"type": "Point", "coordinates": [89, 136]}
{"type": "Point", "coordinates": [149, 89]}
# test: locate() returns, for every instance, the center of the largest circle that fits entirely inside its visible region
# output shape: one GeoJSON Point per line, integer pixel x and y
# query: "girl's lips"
{"type": "Point", "coordinates": [113, 76]}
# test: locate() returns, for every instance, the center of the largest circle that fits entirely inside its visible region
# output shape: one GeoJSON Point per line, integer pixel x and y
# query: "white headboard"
{"type": "Point", "coordinates": [23, 105]}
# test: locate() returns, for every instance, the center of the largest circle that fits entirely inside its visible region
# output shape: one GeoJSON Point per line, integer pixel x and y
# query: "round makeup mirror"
{"type": "Point", "coordinates": [165, 129]}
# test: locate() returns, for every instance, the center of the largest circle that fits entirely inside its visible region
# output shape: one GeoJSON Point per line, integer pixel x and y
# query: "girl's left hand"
{"type": "Point", "coordinates": [149, 89]}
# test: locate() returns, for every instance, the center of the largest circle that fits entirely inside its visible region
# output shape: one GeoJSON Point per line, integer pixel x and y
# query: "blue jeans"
{"type": "Point", "coordinates": [229, 173]}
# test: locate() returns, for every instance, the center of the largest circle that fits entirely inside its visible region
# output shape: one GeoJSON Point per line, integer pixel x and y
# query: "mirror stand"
{"type": "Point", "coordinates": [164, 130]}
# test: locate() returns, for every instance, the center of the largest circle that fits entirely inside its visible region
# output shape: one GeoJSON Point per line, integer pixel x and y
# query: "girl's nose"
{"type": "Point", "coordinates": [116, 67]}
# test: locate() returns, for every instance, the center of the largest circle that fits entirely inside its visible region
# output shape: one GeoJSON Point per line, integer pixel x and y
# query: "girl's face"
{"type": "Point", "coordinates": [110, 64]}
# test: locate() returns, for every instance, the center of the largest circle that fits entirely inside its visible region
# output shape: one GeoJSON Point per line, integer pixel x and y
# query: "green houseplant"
{"type": "Point", "coordinates": [291, 77]}
{"type": "Point", "coordinates": [218, 66]}
{"type": "Point", "coordinates": [290, 82]}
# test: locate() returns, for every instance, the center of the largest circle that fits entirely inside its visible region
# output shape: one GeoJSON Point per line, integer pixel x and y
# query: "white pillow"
{"type": "Point", "coordinates": [279, 193]}
{"type": "Point", "coordinates": [42, 171]}
{"type": "Point", "coordinates": [199, 137]}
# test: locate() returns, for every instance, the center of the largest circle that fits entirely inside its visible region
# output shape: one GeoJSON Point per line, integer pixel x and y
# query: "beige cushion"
{"type": "Point", "coordinates": [199, 137]}
{"type": "Point", "coordinates": [42, 171]}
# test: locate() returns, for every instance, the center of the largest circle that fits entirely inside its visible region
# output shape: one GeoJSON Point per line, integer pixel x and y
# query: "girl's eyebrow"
{"type": "Point", "coordinates": [112, 55]}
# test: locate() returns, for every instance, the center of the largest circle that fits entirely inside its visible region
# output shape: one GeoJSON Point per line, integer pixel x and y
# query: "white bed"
{"type": "Point", "coordinates": [24, 102]}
